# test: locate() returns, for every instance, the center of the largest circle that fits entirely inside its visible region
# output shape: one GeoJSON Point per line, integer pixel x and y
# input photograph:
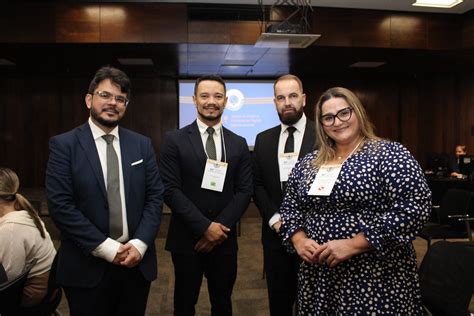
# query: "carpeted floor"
{"type": "Point", "coordinates": [250, 294]}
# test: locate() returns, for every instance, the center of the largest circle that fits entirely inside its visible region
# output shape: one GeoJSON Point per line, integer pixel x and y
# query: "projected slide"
{"type": "Point", "coordinates": [250, 108]}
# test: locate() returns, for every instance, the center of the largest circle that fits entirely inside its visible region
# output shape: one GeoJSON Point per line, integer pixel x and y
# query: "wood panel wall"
{"type": "Point", "coordinates": [34, 109]}
{"type": "Point", "coordinates": [430, 113]}
{"type": "Point", "coordinates": [426, 114]}
{"type": "Point", "coordinates": [56, 22]}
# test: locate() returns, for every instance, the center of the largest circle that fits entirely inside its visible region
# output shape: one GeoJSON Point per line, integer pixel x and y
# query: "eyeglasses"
{"type": "Point", "coordinates": [343, 115]}
{"type": "Point", "coordinates": [105, 95]}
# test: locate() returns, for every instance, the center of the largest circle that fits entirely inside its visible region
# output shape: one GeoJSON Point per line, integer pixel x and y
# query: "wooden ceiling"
{"type": "Point", "coordinates": [246, 61]}
{"type": "Point", "coordinates": [72, 40]}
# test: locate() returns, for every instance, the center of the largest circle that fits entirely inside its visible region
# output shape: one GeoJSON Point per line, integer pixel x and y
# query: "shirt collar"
{"type": "Point", "coordinates": [203, 127]}
{"type": "Point", "coordinates": [300, 125]}
{"type": "Point", "coordinates": [98, 133]}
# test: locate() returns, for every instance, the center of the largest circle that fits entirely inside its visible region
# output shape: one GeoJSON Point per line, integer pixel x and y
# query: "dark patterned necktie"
{"type": "Point", "coordinates": [210, 145]}
{"type": "Point", "coordinates": [113, 190]}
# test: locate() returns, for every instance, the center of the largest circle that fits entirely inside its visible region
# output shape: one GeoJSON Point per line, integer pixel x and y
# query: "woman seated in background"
{"type": "Point", "coordinates": [459, 150]}
{"type": "Point", "coordinates": [23, 238]}
{"type": "Point", "coordinates": [351, 211]}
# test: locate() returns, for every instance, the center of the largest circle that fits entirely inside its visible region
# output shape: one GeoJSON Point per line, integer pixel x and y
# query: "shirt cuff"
{"type": "Point", "coordinates": [275, 218]}
{"type": "Point", "coordinates": [140, 245]}
{"type": "Point", "coordinates": [107, 250]}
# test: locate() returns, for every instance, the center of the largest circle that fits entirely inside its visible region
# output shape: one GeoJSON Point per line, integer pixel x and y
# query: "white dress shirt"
{"type": "Point", "coordinates": [298, 135]}
{"type": "Point", "coordinates": [217, 137]}
{"type": "Point", "coordinates": [108, 249]}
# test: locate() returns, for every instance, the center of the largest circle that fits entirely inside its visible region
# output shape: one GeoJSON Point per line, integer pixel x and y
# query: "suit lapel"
{"type": "Point", "coordinates": [308, 139]}
{"type": "Point", "coordinates": [126, 144]}
{"type": "Point", "coordinates": [196, 142]}
{"type": "Point", "coordinates": [273, 151]}
{"type": "Point", "coordinates": [87, 142]}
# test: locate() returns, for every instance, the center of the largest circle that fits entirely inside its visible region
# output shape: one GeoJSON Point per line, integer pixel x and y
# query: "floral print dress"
{"type": "Point", "coordinates": [382, 192]}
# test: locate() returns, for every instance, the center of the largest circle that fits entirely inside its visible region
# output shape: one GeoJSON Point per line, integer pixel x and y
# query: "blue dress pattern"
{"type": "Point", "coordinates": [382, 192]}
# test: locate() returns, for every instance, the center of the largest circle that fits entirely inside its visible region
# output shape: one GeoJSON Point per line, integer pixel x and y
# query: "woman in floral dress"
{"type": "Point", "coordinates": [351, 211]}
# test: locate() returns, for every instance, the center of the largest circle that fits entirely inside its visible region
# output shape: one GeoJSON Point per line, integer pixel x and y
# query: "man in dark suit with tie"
{"type": "Point", "coordinates": [207, 175]}
{"type": "Point", "coordinates": [275, 152]}
{"type": "Point", "coordinates": [105, 196]}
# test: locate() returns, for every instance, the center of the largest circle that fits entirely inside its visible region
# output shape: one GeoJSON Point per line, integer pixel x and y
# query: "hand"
{"type": "Point", "coordinates": [204, 245]}
{"type": "Point", "coordinates": [122, 253]}
{"type": "Point", "coordinates": [216, 233]}
{"type": "Point", "coordinates": [133, 258]}
{"type": "Point", "coordinates": [305, 247]}
{"type": "Point", "coordinates": [336, 251]}
{"type": "Point", "coordinates": [276, 226]}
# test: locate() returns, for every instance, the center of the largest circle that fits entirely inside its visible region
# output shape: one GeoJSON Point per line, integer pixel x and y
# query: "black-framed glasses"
{"type": "Point", "coordinates": [343, 115]}
{"type": "Point", "coordinates": [107, 96]}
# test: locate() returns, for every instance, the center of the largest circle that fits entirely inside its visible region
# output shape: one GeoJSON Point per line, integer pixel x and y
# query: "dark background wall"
{"type": "Point", "coordinates": [423, 100]}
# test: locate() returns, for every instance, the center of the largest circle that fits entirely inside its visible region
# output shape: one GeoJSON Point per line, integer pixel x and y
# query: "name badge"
{"type": "Point", "coordinates": [286, 162]}
{"type": "Point", "coordinates": [325, 180]}
{"type": "Point", "coordinates": [214, 175]}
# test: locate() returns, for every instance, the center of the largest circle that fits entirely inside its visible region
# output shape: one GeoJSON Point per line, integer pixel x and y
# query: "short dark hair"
{"type": "Point", "coordinates": [288, 77]}
{"type": "Point", "coordinates": [115, 75]}
{"type": "Point", "coordinates": [210, 78]}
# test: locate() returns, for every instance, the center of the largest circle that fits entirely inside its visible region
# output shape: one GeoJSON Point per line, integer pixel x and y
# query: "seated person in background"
{"type": "Point", "coordinates": [3, 274]}
{"type": "Point", "coordinates": [23, 238]}
{"type": "Point", "coordinates": [460, 150]}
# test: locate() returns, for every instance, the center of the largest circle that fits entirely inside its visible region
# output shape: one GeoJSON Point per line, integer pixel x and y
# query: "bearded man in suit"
{"type": "Point", "coordinates": [275, 153]}
{"type": "Point", "coordinates": [207, 175]}
{"type": "Point", "coordinates": [105, 196]}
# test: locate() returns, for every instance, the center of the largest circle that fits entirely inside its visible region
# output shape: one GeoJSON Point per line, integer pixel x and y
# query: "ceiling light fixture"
{"type": "Point", "coordinates": [367, 64]}
{"type": "Point", "coordinates": [437, 3]}
{"type": "Point", "coordinates": [136, 61]}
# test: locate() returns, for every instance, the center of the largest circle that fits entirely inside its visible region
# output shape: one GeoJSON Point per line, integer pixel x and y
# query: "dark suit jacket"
{"type": "Point", "coordinates": [268, 195]}
{"type": "Point", "coordinates": [77, 201]}
{"type": "Point", "coordinates": [182, 163]}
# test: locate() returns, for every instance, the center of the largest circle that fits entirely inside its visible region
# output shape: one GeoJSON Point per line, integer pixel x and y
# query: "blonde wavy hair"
{"type": "Point", "coordinates": [327, 144]}
{"type": "Point", "coordinates": [9, 185]}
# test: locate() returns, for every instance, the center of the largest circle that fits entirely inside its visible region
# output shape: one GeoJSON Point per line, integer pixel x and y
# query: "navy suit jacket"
{"type": "Point", "coordinates": [182, 163]}
{"type": "Point", "coordinates": [268, 194]}
{"type": "Point", "coordinates": [77, 201]}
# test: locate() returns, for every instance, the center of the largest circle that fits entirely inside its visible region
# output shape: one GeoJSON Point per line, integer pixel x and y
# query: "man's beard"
{"type": "Point", "coordinates": [101, 121]}
{"type": "Point", "coordinates": [291, 119]}
{"type": "Point", "coordinates": [211, 118]}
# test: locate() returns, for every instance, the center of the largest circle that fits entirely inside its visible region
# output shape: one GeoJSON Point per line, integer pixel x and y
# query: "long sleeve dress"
{"type": "Point", "coordinates": [382, 192]}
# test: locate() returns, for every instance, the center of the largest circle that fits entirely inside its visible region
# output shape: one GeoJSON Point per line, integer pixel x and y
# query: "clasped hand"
{"type": "Point", "coordinates": [330, 253]}
{"type": "Point", "coordinates": [127, 255]}
{"type": "Point", "coordinates": [215, 234]}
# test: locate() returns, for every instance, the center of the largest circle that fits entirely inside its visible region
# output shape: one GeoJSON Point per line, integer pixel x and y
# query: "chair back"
{"type": "Point", "coordinates": [3, 274]}
{"type": "Point", "coordinates": [447, 278]}
{"type": "Point", "coordinates": [11, 292]}
{"type": "Point", "coordinates": [455, 202]}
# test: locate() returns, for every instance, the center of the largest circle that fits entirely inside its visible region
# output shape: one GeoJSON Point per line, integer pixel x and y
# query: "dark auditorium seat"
{"type": "Point", "coordinates": [3, 274]}
{"type": "Point", "coordinates": [453, 216]}
{"type": "Point", "coordinates": [11, 291]}
{"type": "Point", "coordinates": [447, 278]}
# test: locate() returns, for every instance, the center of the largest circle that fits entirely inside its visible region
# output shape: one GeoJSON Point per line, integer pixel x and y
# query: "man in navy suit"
{"type": "Point", "coordinates": [273, 159]}
{"type": "Point", "coordinates": [105, 262]}
{"type": "Point", "coordinates": [207, 175]}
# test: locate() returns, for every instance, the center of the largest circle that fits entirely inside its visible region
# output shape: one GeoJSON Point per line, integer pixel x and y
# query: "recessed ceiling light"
{"type": "Point", "coordinates": [437, 3]}
{"type": "Point", "coordinates": [367, 64]}
{"type": "Point", "coordinates": [136, 61]}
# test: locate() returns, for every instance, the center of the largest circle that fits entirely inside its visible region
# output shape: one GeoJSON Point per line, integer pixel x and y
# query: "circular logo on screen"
{"type": "Point", "coordinates": [235, 100]}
